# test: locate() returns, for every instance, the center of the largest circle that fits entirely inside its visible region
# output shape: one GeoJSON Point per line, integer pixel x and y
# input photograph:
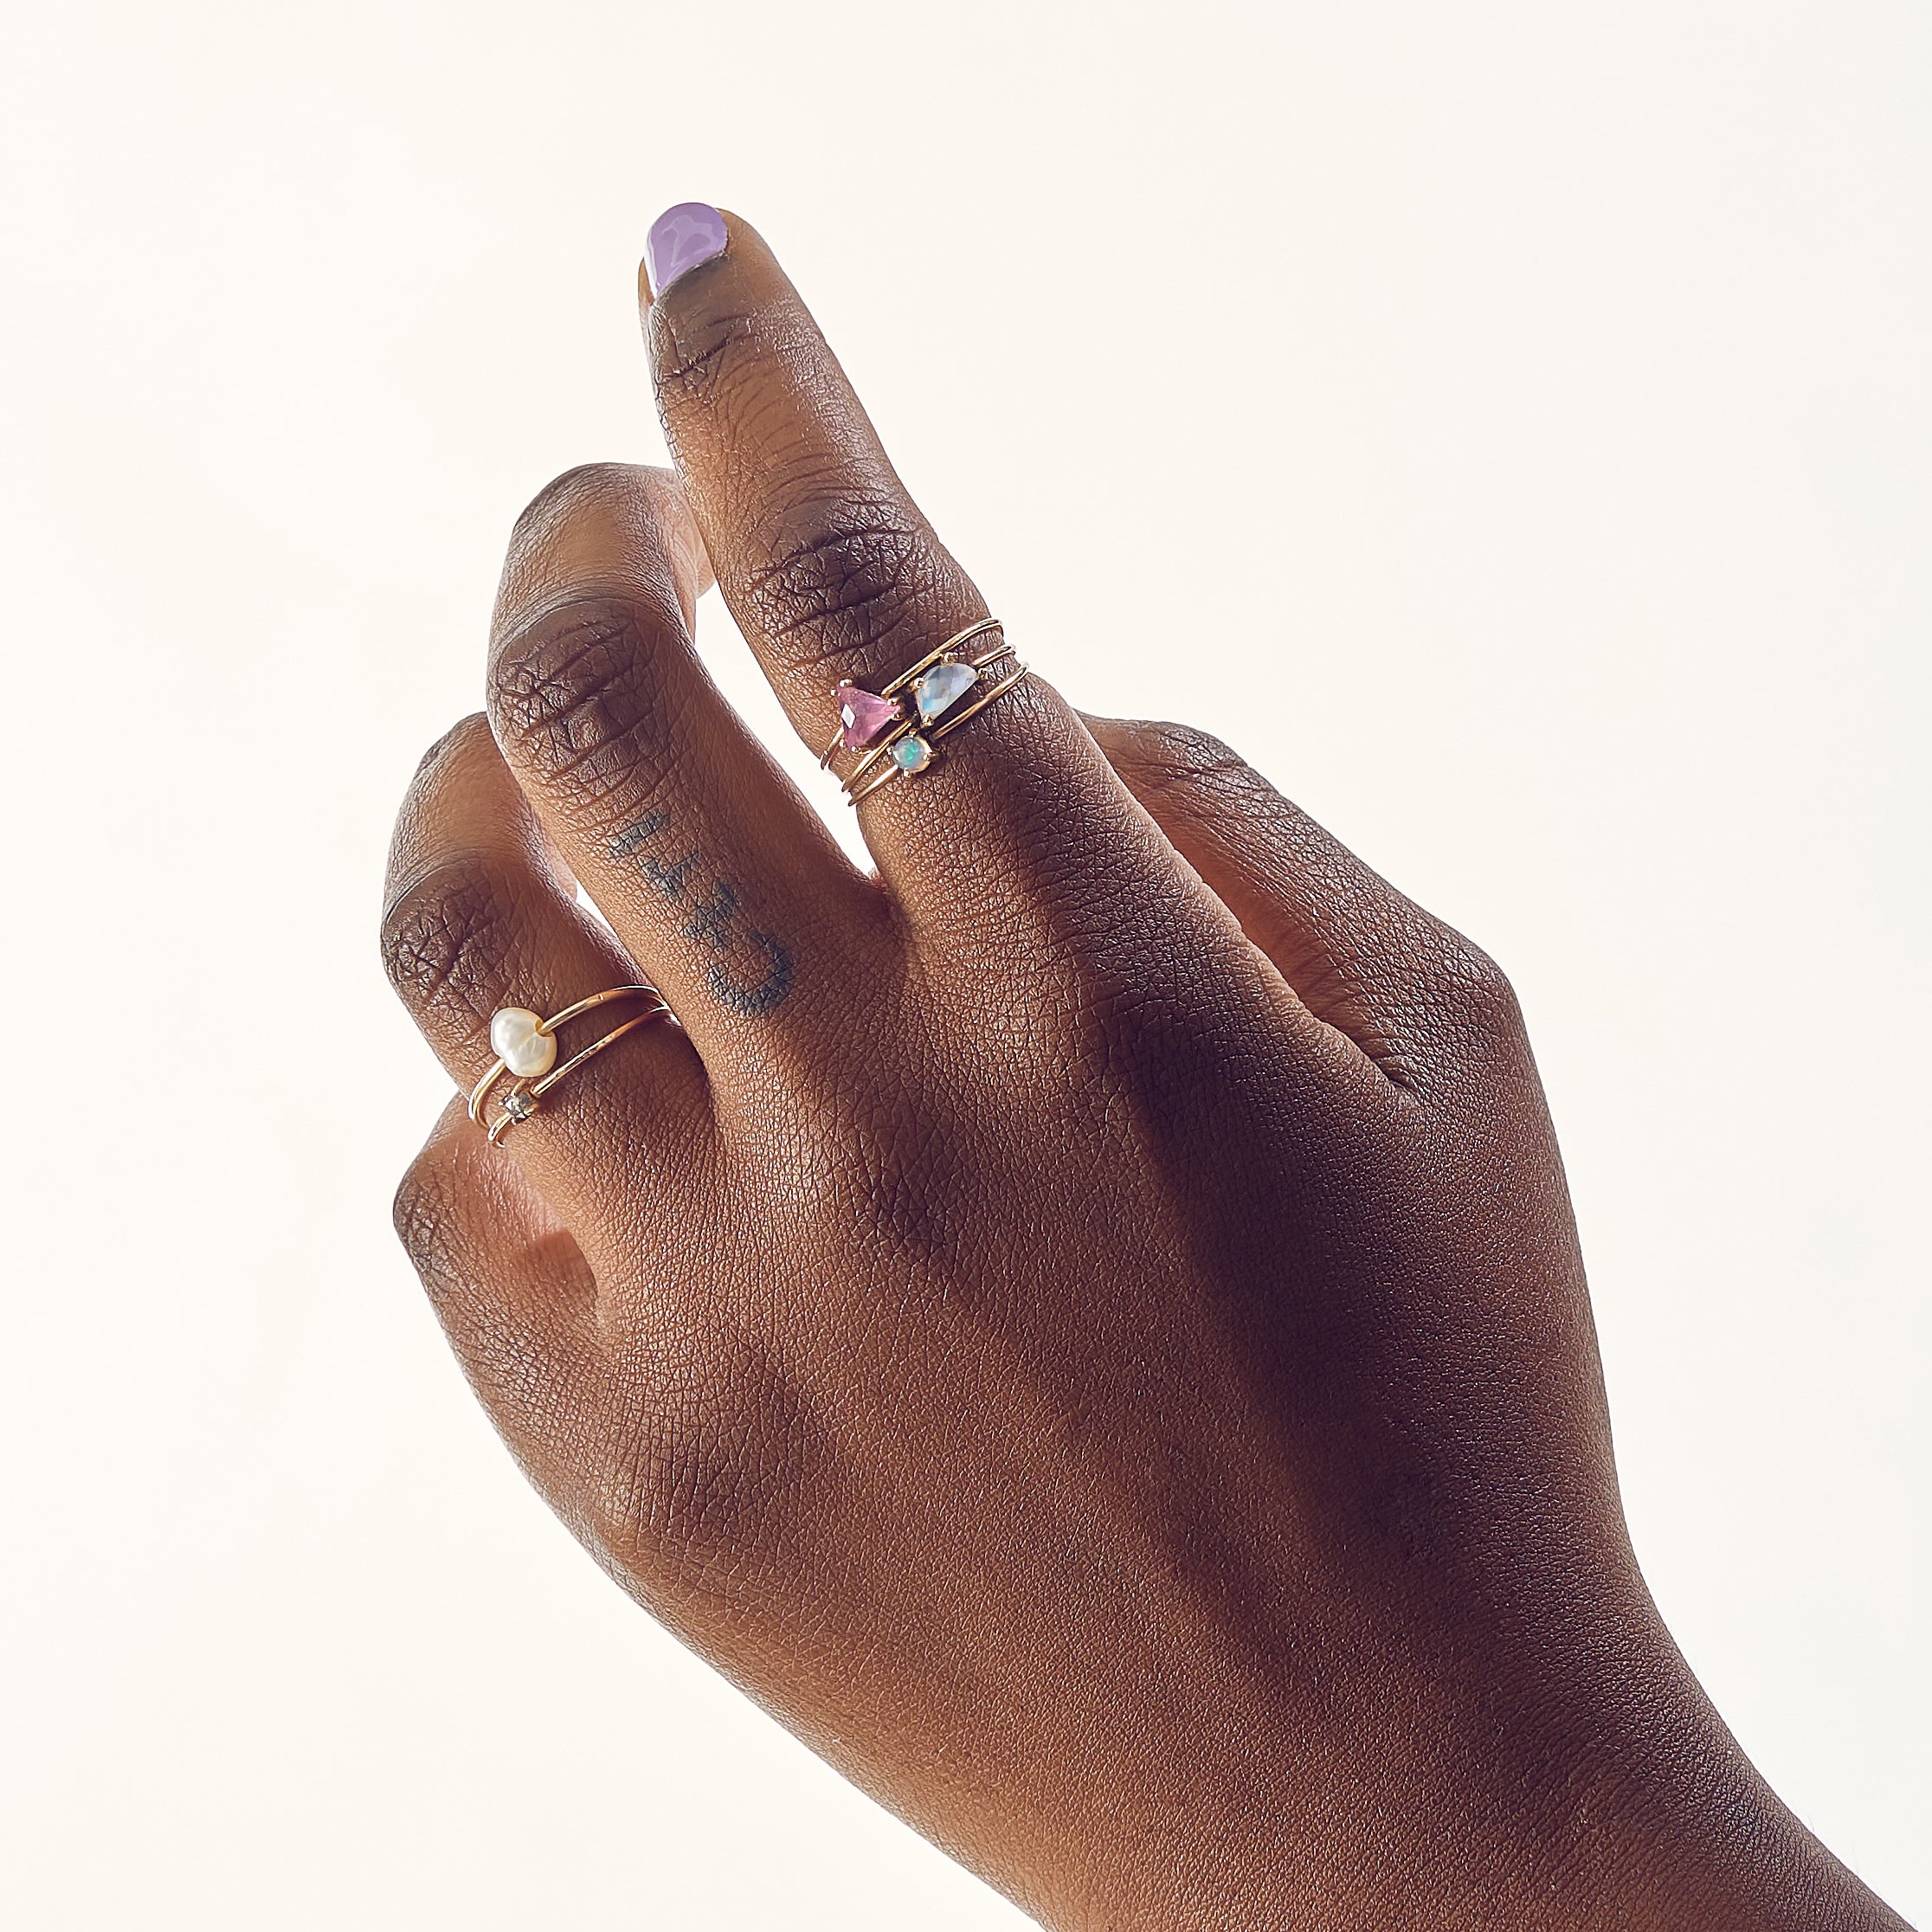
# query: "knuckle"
{"type": "Point", "coordinates": [421, 1214]}
{"type": "Point", "coordinates": [445, 937]}
{"type": "Point", "coordinates": [1473, 987]}
{"type": "Point", "coordinates": [694, 348]}
{"type": "Point", "coordinates": [510, 1362]}
{"type": "Point", "coordinates": [577, 695]}
{"type": "Point", "coordinates": [849, 577]}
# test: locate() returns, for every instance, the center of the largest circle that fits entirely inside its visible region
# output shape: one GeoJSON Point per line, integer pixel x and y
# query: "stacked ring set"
{"type": "Point", "coordinates": [526, 1046]}
{"type": "Point", "coordinates": [896, 727]}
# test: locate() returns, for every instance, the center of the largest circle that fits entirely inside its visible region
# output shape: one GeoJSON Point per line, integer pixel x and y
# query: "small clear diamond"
{"type": "Point", "coordinates": [518, 1103]}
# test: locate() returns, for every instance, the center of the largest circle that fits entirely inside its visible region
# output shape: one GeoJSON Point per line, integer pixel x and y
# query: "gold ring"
{"type": "Point", "coordinates": [896, 727]}
{"type": "Point", "coordinates": [527, 1050]}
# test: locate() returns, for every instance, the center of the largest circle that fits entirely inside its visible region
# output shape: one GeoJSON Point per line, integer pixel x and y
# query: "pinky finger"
{"type": "Point", "coordinates": [512, 1290]}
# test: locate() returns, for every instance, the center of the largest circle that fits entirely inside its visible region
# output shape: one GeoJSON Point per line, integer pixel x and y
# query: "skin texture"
{"type": "Point", "coordinates": [1086, 1324]}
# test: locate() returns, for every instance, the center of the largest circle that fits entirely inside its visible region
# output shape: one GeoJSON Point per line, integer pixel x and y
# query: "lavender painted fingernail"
{"type": "Point", "coordinates": [679, 239]}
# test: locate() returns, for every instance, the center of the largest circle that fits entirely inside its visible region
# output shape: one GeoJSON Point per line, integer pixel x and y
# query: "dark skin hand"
{"type": "Point", "coordinates": [1086, 1325]}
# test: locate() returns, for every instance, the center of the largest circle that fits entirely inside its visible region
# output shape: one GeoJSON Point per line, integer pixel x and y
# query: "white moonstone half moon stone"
{"type": "Point", "coordinates": [524, 1053]}
{"type": "Point", "coordinates": [944, 684]}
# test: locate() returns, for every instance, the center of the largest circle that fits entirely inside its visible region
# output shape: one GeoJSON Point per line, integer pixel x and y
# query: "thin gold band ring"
{"type": "Point", "coordinates": [527, 1050]}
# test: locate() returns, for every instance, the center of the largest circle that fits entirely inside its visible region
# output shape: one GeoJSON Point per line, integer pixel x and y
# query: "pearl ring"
{"type": "Point", "coordinates": [527, 1050]}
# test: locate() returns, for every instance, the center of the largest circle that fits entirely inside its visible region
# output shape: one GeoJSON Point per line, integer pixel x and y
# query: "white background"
{"type": "Point", "coordinates": [1508, 423]}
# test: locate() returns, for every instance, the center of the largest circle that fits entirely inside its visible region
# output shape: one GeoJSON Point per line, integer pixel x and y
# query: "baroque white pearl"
{"type": "Point", "coordinates": [526, 1054]}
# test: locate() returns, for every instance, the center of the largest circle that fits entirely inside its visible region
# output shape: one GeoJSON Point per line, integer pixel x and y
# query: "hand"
{"type": "Point", "coordinates": [1086, 1325]}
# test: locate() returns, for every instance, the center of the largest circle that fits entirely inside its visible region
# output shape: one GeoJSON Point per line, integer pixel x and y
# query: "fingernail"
{"type": "Point", "coordinates": [679, 239]}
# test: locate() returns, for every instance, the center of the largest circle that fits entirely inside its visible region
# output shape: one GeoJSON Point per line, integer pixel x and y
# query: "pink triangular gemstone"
{"type": "Point", "coordinates": [864, 715]}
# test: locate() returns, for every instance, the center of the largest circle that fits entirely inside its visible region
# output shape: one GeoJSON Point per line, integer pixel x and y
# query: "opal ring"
{"type": "Point", "coordinates": [897, 726]}
{"type": "Point", "coordinates": [527, 1050]}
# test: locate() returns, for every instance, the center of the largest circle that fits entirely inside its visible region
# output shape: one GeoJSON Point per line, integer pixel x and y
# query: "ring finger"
{"type": "Point", "coordinates": [720, 880]}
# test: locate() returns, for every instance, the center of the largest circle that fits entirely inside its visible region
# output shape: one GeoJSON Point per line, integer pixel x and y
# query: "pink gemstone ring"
{"type": "Point", "coordinates": [895, 728]}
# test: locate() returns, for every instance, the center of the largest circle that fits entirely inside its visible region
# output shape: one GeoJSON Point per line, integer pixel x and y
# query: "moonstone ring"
{"type": "Point", "coordinates": [897, 726]}
{"type": "Point", "coordinates": [527, 1050]}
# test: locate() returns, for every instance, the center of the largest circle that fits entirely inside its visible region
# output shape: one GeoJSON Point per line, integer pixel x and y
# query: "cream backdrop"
{"type": "Point", "coordinates": [1508, 423]}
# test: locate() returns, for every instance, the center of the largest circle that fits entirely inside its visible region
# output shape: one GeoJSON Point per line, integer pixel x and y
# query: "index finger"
{"type": "Point", "coordinates": [835, 575]}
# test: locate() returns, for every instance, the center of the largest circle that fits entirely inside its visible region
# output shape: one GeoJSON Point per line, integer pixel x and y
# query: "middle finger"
{"type": "Point", "coordinates": [724, 884]}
